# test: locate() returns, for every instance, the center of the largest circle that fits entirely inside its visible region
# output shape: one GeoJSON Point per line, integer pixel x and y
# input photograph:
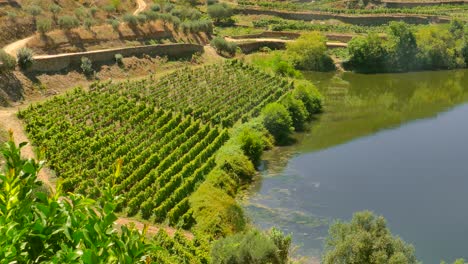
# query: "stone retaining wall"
{"type": "Point", "coordinates": [294, 35]}
{"type": "Point", "coordinates": [364, 20]}
{"type": "Point", "coordinates": [54, 63]}
{"type": "Point", "coordinates": [249, 47]}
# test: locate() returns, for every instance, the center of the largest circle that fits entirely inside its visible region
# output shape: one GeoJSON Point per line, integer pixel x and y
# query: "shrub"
{"type": "Point", "coordinates": [130, 19]}
{"type": "Point", "coordinates": [220, 13]}
{"type": "Point", "coordinates": [68, 22]}
{"type": "Point", "coordinates": [86, 66]}
{"type": "Point", "coordinates": [7, 62]}
{"type": "Point", "coordinates": [93, 11]}
{"type": "Point", "coordinates": [114, 24]}
{"type": "Point", "coordinates": [211, 2]}
{"type": "Point", "coordinates": [34, 10]}
{"type": "Point", "coordinates": [309, 52]}
{"type": "Point", "coordinates": [119, 59]}
{"type": "Point", "coordinates": [251, 247]}
{"type": "Point", "coordinates": [155, 7]}
{"type": "Point", "coordinates": [297, 111]}
{"type": "Point", "coordinates": [278, 122]}
{"type": "Point", "coordinates": [366, 239]}
{"type": "Point", "coordinates": [402, 48]}
{"type": "Point", "coordinates": [44, 25]}
{"type": "Point", "coordinates": [436, 48]}
{"type": "Point", "coordinates": [217, 214]}
{"type": "Point", "coordinates": [116, 4]}
{"type": "Point", "coordinates": [25, 58]}
{"type": "Point", "coordinates": [231, 159]}
{"type": "Point", "coordinates": [55, 9]}
{"type": "Point", "coordinates": [81, 13]}
{"type": "Point", "coordinates": [223, 46]}
{"type": "Point", "coordinates": [310, 96]}
{"type": "Point", "coordinates": [88, 23]}
{"type": "Point", "coordinates": [252, 144]}
{"type": "Point", "coordinates": [367, 54]}
{"type": "Point", "coordinates": [142, 18]}
{"type": "Point", "coordinates": [109, 9]}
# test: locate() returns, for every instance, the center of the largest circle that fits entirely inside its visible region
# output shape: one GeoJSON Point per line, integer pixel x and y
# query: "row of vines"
{"type": "Point", "coordinates": [164, 132]}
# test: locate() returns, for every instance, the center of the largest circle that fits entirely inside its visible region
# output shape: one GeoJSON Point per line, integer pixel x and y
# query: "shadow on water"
{"type": "Point", "coordinates": [357, 106]}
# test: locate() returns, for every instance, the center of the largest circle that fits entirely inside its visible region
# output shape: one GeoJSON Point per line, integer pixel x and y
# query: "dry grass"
{"type": "Point", "coordinates": [102, 37]}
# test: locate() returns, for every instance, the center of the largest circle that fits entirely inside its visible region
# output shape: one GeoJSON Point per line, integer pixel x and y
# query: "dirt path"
{"type": "Point", "coordinates": [9, 121]}
{"type": "Point", "coordinates": [152, 229]}
{"type": "Point", "coordinates": [141, 7]}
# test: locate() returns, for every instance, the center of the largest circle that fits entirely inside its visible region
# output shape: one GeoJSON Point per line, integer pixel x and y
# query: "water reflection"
{"type": "Point", "coordinates": [330, 173]}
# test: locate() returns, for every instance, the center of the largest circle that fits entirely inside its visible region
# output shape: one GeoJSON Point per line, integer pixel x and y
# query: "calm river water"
{"type": "Point", "coordinates": [395, 144]}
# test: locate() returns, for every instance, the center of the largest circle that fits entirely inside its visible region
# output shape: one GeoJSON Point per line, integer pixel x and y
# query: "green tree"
{"type": "Point", "coordinates": [402, 47]}
{"type": "Point", "coordinates": [34, 11]}
{"type": "Point", "coordinates": [309, 52]}
{"type": "Point", "coordinates": [436, 48]}
{"type": "Point", "coordinates": [55, 10]}
{"type": "Point", "coordinates": [220, 13]}
{"type": "Point", "coordinates": [366, 239]}
{"type": "Point", "coordinates": [278, 122]}
{"type": "Point", "coordinates": [367, 54]}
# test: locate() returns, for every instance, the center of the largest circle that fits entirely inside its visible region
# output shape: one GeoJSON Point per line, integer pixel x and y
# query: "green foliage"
{"type": "Point", "coordinates": [223, 46]}
{"type": "Point", "coordinates": [367, 54]}
{"type": "Point", "coordinates": [55, 9]}
{"type": "Point", "coordinates": [252, 144]}
{"type": "Point", "coordinates": [308, 52]}
{"type": "Point", "coordinates": [116, 4]}
{"type": "Point", "coordinates": [366, 239]}
{"type": "Point", "coordinates": [114, 24]}
{"type": "Point", "coordinates": [118, 59]}
{"type": "Point", "coordinates": [93, 11]}
{"type": "Point", "coordinates": [278, 122]}
{"type": "Point", "coordinates": [86, 66]}
{"type": "Point", "coordinates": [59, 228]}
{"type": "Point", "coordinates": [7, 62]}
{"type": "Point", "coordinates": [309, 95]}
{"type": "Point", "coordinates": [25, 58]}
{"type": "Point", "coordinates": [436, 48]}
{"type": "Point", "coordinates": [88, 23]}
{"type": "Point", "coordinates": [402, 47]}
{"type": "Point", "coordinates": [155, 7]}
{"type": "Point", "coordinates": [109, 9]}
{"type": "Point", "coordinates": [220, 13]}
{"type": "Point", "coordinates": [130, 19]}
{"type": "Point", "coordinates": [68, 22]}
{"type": "Point", "coordinates": [297, 111]}
{"type": "Point", "coordinates": [34, 10]}
{"type": "Point", "coordinates": [231, 159]}
{"type": "Point", "coordinates": [252, 247]}
{"type": "Point", "coordinates": [81, 13]}
{"type": "Point", "coordinates": [44, 25]}
{"type": "Point", "coordinates": [458, 261]}
{"type": "Point", "coordinates": [217, 214]}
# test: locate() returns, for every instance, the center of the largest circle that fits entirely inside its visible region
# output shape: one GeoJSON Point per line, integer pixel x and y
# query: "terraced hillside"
{"type": "Point", "coordinates": [164, 132]}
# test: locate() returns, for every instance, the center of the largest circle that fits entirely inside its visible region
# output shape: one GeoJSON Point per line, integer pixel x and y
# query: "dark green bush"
{"type": "Point", "coordinates": [367, 54]}
{"type": "Point", "coordinates": [44, 25]}
{"type": "Point", "coordinates": [221, 14]}
{"type": "Point", "coordinates": [130, 19]}
{"type": "Point", "coordinates": [252, 144]}
{"type": "Point", "coordinates": [278, 122]}
{"type": "Point", "coordinates": [310, 96]}
{"type": "Point", "coordinates": [68, 22]}
{"type": "Point", "coordinates": [86, 66]}
{"type": "Point", "coordinates": [297, 111]}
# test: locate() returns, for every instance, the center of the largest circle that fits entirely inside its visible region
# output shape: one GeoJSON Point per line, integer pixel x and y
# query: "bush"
{"type": "Point", "coordinates": [366, 239]}
{"type": "Point", "coordinates": [34, 10]}
{"type": "Point", "coordinates": [130, 19]}
{"type": "Point", "coordinates": [88, 23]}
{"type": "Point", "coordinates": [142, 19]}
{"type": "Point", "coordinates": [217, 214]}
{"type": "Point", "coordinates": [252, 247]}
{"type": "Point", "coordinates": [93, 11]}
{"type": "Point", "coordinates": [220, 13]}
{"type": "Point", "coordinates": [25, 58]}
{"type": "Point", "coordinates": [297, 111]}
{"type": "Point", "coordinates": [310, 96]}
{"type": "Point", "coordinates": [86, 66]}
{"type": "Point", "coordinates": [367, 54]}
{"type": "Point", "coordinates": [223, 46]}
{"type": "Point", "coordinates": [44, 25]}
{"type": "Point", "coordinates": [278, 122]}
{"type": "Point", "coordinates": [119, 59]}
{"type": "Point", "coordinates": [55, 9]}
{"type": "Point", "coordinates": [231, 159]}
{"type": "Point", "coordinates": [155, 7]}
{"type": "Point", "coordinates": [68, 22]}
{"type": "Point", "coordinates": [436, 48]}
{"type": "Point", "coordinates": [309, 52]}
{"type": "Point", "coordinates": [7, 62]}
{"type": "Point", "coordinates": [114, 24]}
{"type": "Point", "coordinates": [402, 48]}
{"type": "Point", "coordinates": [109, 9]}
{"type": "Point", "coordinates": [252, 144]}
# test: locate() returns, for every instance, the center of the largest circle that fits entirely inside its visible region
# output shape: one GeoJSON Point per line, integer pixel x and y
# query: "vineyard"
{"type": "Point", "coordinates": [165, 133]}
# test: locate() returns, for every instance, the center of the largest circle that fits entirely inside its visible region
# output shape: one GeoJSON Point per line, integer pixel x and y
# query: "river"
{"type": "Point", "coordinates": [395, 144]}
